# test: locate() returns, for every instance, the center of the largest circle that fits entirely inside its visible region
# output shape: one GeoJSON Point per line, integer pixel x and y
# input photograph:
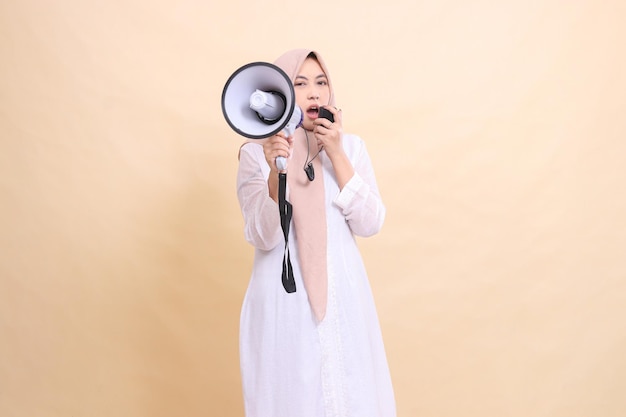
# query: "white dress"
{"type": "Point", "coordinates": [292, 366]}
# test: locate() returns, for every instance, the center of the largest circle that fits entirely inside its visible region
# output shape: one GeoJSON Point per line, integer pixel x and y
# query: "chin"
{"type": "Point", "coordinates": [308, 125]}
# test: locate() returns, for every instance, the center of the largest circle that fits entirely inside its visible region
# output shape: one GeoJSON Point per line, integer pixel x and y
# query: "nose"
{"type": "Point", "coordinates": [314, 94]}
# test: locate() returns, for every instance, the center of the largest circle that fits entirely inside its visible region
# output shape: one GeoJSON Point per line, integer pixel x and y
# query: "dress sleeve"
{"type": "Point", "coordinates": [260, 213]}
{"type": "Point", "coordinates": [360, 200]}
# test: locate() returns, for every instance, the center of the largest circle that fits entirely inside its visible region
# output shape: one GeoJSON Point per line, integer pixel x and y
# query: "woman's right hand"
{"type": "Point", "coordinates": [275, 146]}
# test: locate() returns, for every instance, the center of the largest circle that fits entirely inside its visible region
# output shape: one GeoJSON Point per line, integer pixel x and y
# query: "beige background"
{"type": "Point", "coordinates": [497, 132]}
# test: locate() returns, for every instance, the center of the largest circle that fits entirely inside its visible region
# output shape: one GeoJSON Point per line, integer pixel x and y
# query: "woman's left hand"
{"type": "Point", "coordinates": [328, 134]}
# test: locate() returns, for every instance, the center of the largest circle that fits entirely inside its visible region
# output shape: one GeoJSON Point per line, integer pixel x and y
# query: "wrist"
{"type": "Point", "coordinates": [336, 154]}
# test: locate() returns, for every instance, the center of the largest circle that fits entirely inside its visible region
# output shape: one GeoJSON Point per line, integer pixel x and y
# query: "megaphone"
{"type": "Point", "coordinates": [258, 101]}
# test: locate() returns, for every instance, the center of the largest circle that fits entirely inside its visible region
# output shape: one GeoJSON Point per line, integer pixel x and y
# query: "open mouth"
{"type": "Point", "coordinates": [312, 112]}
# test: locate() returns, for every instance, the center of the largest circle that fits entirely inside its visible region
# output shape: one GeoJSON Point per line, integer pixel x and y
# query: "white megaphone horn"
{"type": "Point", "coordinates": [258, 101]}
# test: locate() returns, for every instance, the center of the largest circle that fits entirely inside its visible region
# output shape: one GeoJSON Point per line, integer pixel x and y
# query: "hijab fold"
{"type": "Point", "coordinates": [308, 197]}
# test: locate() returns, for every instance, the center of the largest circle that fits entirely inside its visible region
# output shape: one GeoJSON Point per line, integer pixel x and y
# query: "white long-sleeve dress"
{"type": "Point", "coordinates": [291, 365]}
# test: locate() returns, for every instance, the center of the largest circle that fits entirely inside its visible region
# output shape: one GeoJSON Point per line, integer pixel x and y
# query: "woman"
{"type": "Point", "coordinates": [318, 351]}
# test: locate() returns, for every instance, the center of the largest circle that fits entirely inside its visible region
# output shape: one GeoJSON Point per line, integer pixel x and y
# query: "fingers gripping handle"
{"type": "Point", "coordinates": [294, 122]}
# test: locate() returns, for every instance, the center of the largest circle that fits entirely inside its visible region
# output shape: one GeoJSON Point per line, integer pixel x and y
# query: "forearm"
{"type": "Point", "coordinates": [362, 206]}
{"type": "Point", "coordinates": [272, 185]}
{"type": "Point", "coordinates": [260, 211]}
{"type": "Point", "coordinates": [344, 170]}
{"type": "Point", "coordinates": [359, 198]}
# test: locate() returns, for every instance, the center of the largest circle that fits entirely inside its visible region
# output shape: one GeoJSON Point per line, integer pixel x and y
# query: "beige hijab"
{"type": "Point", "coordinates": [308, 197]}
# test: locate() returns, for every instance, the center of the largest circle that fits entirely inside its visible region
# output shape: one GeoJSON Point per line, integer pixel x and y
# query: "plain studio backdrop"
{"type": "Point", "coordinates": [497, 132]}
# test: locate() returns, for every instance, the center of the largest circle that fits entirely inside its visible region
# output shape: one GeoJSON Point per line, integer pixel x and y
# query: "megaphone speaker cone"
{"type": "Point", "coordinates": [242, 85]}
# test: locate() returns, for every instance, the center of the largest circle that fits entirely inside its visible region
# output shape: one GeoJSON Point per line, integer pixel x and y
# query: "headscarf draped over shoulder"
{"type": "Point", "coordinates": [308, 197]}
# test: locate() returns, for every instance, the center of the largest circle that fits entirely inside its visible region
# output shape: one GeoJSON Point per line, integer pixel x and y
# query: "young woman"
{"type": "Point", "coordinates": [318, 351]}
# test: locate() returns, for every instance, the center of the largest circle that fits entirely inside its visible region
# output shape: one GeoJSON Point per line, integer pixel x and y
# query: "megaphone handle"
{"type": "Point", "coordinates": [281, 163]}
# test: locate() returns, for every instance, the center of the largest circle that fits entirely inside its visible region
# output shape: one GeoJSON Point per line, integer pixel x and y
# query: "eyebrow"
{"type": "Point", "coordinates": [305, 78]}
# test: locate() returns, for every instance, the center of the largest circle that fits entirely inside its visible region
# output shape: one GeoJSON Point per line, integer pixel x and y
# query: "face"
{"type": "Point", "coordinates": [312, 91]}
